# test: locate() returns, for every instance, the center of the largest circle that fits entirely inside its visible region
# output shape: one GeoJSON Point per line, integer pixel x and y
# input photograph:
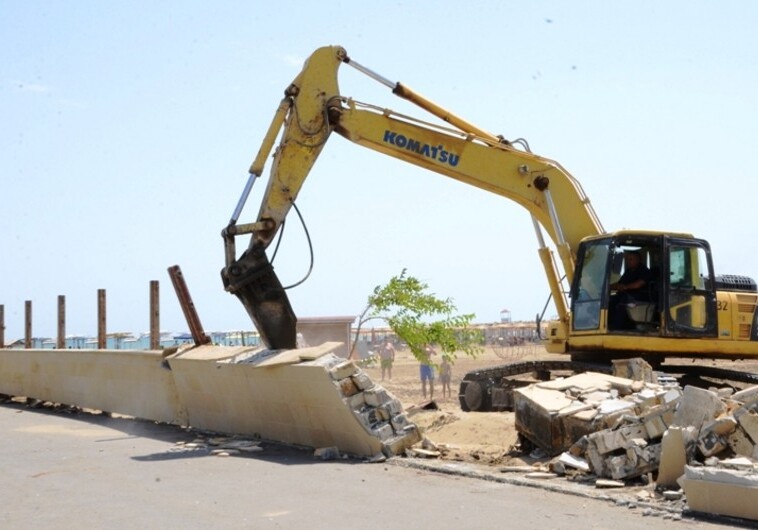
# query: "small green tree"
{"type": "Point", "coordinates": [420, 318]}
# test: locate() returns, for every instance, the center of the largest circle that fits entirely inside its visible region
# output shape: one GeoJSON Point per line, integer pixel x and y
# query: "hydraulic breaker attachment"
{"type": "Point", "coordinates": [252, 279]}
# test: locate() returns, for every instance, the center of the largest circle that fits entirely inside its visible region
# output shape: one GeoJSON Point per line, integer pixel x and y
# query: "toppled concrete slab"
{"type": "Point", "coordinates": [722, 490]}
{"type": "Point", "coordinates": [553, 415]}
{"type": "Point", "coordinates": [308, 397]}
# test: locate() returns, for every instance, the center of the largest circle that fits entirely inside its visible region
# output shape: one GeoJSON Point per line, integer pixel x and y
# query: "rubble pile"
{"type": "Point", "coordinates": [378, 411]}
{"type": "Point", "coordinates": [620, 429]}
{"type": "Point", "coordinates": [613, 410]}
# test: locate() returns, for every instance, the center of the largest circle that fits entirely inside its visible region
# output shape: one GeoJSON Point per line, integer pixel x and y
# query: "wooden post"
{"type": "Point", "coordinates": [61, 342]}
{"type": "Point", "coordinates": [2, 326]}
{"type": "Point", "coordinates": [28, 324]}
{"type": "Point", "coordinates": [101, 340]}
{"type": "Point", "coordinates": [188, 307]}
{"type": "Point", "coordinates": [155, 316]}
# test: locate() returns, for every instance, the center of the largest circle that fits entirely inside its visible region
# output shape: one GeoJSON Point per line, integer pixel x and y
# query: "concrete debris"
{"type": "Point", "coordinates": [673, 495]}
{"type": "Point", "coordinates": [697, 407]}
{"type": "Point", "coordinates": [721, 490]}
{"type": "Point", "coordinates": [542, 475]}
{"type": "Point", "coordinates": [378, 411]}
{"type": "Point", "coordinates": [673, 455]}
{"type": "Point", "coordinates": [635, 369]}
{"type": "Point", "coordinates": [326, 453]}
{"type": "Point", "coordinates": [574, 462]}
{"type": "Point", "coordinates": [619, 429]}
{"type": "Point", "coordinates": [555, 414]}
{"type": "Point", "coordinates": [376, 459]}
{"type": "Point", "coordinates": [423, 453]}
{"type": "Point", "coordinates": [606, 483]}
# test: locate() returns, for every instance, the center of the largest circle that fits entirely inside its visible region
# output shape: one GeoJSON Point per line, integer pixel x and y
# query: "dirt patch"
{"type": "Point", "coordinates": [484, 437]}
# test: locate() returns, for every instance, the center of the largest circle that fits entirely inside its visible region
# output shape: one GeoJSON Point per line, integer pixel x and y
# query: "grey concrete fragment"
{"type": "Point", "coordinates": [697, 406]}
{"type": "Point", "coordinates": [384, 431]}
{"type": "Point", "coordinates": [606, 483]}
{"type": "Point", "coordinates": [711, 443]}
{"type": "Point", "coordinates": [569, 460]}
{"type": "Point", "coordinates": [636, 369]}
{"type": "Point", "coordinates": [748, 420]}
{"type": "Point", "coordinates": [399, 422]}
{"type": "Point", "coordinates": [376, 396]}
{"type": "Point", "coordinates": [327, 453]}
{"type": "Point", "coordinates": [343, 370]}
{"type": "Point", "coordinates": [747, 395]}
{"type": "Point", "coordinates": [673, 458]}
{"type": "Point", "coordinates": [347, 387]}
{"type": "Point", "coordinates": [356, 401]}
{"type": "Point", "coordinates": [608, 440]}
{"type": "Point", "coordinates": [362, 380]}
{"type": "Point", "coordinates": [740, 443]}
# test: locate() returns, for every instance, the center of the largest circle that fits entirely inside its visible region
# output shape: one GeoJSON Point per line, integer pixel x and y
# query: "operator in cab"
{"type": "Point", "coordinates": [630, 288]}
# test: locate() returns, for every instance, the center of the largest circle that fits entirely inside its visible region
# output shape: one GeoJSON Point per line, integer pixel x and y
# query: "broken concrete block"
{"type": "Point", "coordinates": [347, 387]}
{"type": "Point", "coordinates": [745, 464]}
{"type": "Point", "coordinates": [399, 422]}
{"type": "Point", "coordinates": [721, 426]}
{"type": "Point", "coordinates": [673, 458]}
{"type": "Point", "coordinates": [384, 431]}
{"type": "Point", "coordinates": [606, 483]}
{"type": "Point", "coordinates": [343, 370]}
{"type": "Point", "coordinates": [569, 460]}
{"type": "Point", "coordinates": [545, 415]}
{"type": "Point", "coordinates": [383, 412]}
{"type": "Point", "coordinates": [740, 443]}
{"type": "Point", "coordinates": [368, 418]}
{"type": "Point", "coordinates": [397, 445]}
{"type": "Point", "coordinates": [721, 491]}
{"type": "Point", "coordinates": [697, 406]}
{"type": "Point", "coordinates": [711, 443]}
{"type": "Point", "coordinates": [636, 369]}
{"type": "Point", "coordinates": [747, 395]}
{"type": "Point", "coordinates": [748, 420]}
{"type": "Point", "coordinates": [542, 475]}
{"type": "Point", "coordinates": [394, 407]}
{"type": "Point", "coordinates": [611, 406]}
{"type": "Point", "coordinates": [376, 396]}
{"type": "Point", "coordinates": [608, 440]}
{"type": "Point", "coordinates": [658, 419]}
{"type": "Point", "coordinates": [636, 462]}
{"type": "Point", "coordinates": [362, 380]}
{"type": "Point", "coordinates": [356, 401]}
{"type": "Point", "coordinates": [655, 426]}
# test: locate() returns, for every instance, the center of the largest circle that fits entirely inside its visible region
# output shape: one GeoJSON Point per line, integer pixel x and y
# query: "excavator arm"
{"type": "Point", "coordinates": [313, 108]}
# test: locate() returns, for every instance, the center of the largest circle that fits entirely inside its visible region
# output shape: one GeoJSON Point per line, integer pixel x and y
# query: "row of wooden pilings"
{"type": "Point", "coordinates": [185, 301]}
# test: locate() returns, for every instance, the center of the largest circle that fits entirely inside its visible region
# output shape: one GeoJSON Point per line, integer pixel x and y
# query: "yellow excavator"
{"type": "Point", "coordinates": [680, 309]}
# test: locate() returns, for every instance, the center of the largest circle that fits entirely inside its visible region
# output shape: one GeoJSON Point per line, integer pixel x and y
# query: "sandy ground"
{"type": "Point", "coordinates": [484, 437]}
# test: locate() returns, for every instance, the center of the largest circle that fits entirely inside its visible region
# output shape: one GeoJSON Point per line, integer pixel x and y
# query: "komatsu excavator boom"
{"type": "Point", "coordinates": [313, 108]}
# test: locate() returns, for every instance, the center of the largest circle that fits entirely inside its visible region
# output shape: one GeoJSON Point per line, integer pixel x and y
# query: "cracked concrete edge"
{"type": "Point", "coordinates": [621, 500]}
{"type": "Point", "coordinates": [469, 471]}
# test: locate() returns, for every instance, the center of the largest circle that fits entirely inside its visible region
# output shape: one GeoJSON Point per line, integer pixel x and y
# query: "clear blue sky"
{"type": "Point", "coordinates": [128, 128]}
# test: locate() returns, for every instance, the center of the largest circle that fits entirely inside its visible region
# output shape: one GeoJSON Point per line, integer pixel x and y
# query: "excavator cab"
{"type": "Point", "coordinates": [677, 299]}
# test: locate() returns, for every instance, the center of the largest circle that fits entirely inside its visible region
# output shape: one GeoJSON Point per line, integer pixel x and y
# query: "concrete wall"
{"type": "Point", "coordinates": [307, 396]}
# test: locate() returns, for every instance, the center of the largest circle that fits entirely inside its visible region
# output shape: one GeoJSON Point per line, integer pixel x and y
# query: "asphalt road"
{"type": "Point", "coordinates": [63, 470]}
